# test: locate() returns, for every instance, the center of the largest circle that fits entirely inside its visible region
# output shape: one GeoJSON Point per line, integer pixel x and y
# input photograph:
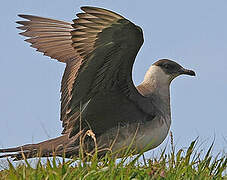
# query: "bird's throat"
{"type": "Point", "coordinates": [156, 82]}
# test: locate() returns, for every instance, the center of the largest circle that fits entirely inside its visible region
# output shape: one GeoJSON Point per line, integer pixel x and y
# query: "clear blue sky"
{"type": "Point", "coordinates": [193, 33]}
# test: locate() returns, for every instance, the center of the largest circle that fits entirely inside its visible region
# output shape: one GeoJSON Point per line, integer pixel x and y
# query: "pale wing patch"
{"type": "Point", "coordinates": [49, 36]}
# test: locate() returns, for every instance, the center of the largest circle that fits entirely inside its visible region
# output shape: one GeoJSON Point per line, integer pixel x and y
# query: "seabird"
{"type": "Point", "coordinates": [98, 96]}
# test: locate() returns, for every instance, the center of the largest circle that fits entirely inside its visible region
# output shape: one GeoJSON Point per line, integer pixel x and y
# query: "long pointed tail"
{"type": "Point", "coordinates": [58, 146]}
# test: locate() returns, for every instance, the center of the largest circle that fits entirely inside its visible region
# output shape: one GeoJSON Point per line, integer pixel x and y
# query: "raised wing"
{"type": "Point", "coordinates": [49, 36]}
{"type": "Point", "coordinates": [54, 39]}
{"type": "Point", "coordinates": [108, 44]}
{"type": "Point", "coordinates": [99, 50]}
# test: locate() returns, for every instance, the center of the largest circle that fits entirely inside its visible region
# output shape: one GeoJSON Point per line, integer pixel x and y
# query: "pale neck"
{"type": "Point", "coordinates": [156, 82]}
{"type": "Point", "coordinates": [156, 86]}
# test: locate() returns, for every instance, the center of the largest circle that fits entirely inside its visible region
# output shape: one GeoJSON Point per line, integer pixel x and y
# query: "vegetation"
{"type": "Point", "coordinates": [183, 164]}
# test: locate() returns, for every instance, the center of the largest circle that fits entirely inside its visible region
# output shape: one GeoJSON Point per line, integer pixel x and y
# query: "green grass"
{"type": "Point", "coordinates": [183, 164]}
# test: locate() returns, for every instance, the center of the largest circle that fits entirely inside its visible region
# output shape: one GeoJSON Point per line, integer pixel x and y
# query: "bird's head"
{"type": "Point", "coordinates": [163, 71]}
{"type": "Point", "coordinates": [172, 69]}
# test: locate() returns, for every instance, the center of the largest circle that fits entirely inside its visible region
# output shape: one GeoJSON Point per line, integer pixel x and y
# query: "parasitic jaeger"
{"type": "Point", "coordinates": [98, 96]}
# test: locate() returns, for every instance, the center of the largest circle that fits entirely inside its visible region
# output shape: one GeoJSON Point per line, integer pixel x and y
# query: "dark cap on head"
{"type": "Point", "coordinates": [173, 68]}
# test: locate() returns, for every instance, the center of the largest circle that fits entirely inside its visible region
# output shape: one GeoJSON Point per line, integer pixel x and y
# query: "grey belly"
{"type": "Point", "coordinates": [136, 136]}
{"type": "Point", "coordinates": [118, 123]}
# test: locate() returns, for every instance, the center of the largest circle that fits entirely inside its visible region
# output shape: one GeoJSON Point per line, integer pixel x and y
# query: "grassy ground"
{"type": "Point", "coordinates": [184, 164]}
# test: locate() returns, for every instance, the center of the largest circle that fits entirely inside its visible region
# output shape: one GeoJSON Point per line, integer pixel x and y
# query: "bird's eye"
{"type": "Point", "coordinates": [166, 66]}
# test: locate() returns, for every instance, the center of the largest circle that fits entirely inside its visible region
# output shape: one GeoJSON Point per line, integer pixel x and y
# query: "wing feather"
{"type": "Point", "coordinates": [43, 32]}
{"type": "Point", "coordinates": [53, 38]}
{"type": "Point", "coordinates": [99, 50]}
{"type": "Point", "coordinates": [41, 19]}
{"type": "Point", "coordinates": [108, 56]}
